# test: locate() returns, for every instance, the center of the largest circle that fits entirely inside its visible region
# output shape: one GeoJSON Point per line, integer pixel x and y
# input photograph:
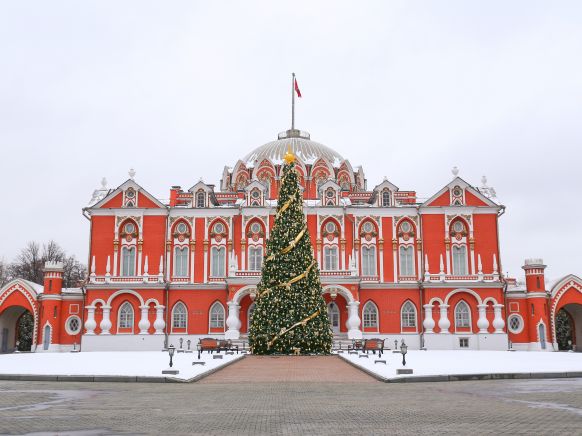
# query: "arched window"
{"type": "Point", "coordinates": [250, 315]}
{"type": "Point", "coordinates": [462, 315]}
{"type": "Point", "coordinates": [459, 260]}
{"type": "Point", "coordinates": [181, 262]}
{"type": "Point", "coordinates": [128, 261]}
{"type": "Point", "coordinates": [408, 315]}
{"type": "Point", "coordinates": [368, 261]}
{"type": "Point", "coordinates": [200, 199]}
{"type": "Point", "coordinates": [218, 262]}
{"type": "Point", "coordinates": [217, 316]}
{"type": "Point", "coordinates": [179, 316]}
{"type": "Point", "coordinates": [385, 198]}
{"type": "Point", "coordinates": [125, 318]}
{"type": "Point", "coordinates": [255, 258]}
{"type": "Point", "coordinates": [370, 315]}
{"type": "Point", "coordinates": [330, 262]}
{"type": "Point", "coordinates": [407, 260]}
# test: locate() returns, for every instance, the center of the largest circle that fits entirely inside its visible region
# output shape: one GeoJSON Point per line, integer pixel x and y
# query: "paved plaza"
{"type": "Point", "coordinates": [292, 395]}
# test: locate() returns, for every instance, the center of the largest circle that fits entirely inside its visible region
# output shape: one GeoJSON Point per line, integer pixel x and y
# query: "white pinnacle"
{"type": "Point", "coordinates": [103, 183]}
{"type": "Point", "coordinates": [455, 171]}
{"type": "Point", "coordinates": [131, 173]}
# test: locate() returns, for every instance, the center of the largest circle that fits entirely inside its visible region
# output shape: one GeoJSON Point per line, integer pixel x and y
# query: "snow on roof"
{"type": "Point", "coordinates": [39, 289]}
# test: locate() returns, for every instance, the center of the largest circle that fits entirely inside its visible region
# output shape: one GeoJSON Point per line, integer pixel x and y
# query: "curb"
{"type": "Point", "coordinates": [466, 377]}
{"type": "Point", "coordinates": [112, 378]}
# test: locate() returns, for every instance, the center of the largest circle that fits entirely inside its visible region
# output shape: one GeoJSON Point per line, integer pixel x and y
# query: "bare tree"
{"type": "Point", "coordinates": [29, 264]}
{"type": "Point", "coordinates": [5, 276]}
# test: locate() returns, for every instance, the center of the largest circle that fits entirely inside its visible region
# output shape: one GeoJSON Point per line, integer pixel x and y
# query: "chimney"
{"type": "Point", "coordinates": [53, 277]}
{"type": "Point", "coordinates": [534, 275]}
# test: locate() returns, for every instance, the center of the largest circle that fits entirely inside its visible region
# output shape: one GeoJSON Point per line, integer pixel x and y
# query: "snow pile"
{"type": "Point", "coordinates": [127, 363]}
{"type": "Point", "coordinates": [469, 362]}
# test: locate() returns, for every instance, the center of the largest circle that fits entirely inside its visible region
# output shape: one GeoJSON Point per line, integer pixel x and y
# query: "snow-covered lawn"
{"type": "Point", "coordinates": [127, 363]}
{"type": "Point", "coordinates": [469, 362]}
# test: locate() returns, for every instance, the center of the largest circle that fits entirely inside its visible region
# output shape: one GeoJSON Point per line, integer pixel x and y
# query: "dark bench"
{"type": "Point", "coordinates": [357, 344]}
{"type": "Point", "coordinates": [373, 345]}
{"type": "Point", "coordinates": [211, 345]}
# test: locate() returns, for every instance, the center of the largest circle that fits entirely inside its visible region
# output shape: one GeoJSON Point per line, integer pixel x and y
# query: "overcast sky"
{"type": "Point", "coordinates": [406, 89]}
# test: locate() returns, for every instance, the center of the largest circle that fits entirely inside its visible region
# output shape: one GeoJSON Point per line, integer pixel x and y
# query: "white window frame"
{"type": "Point", "coordinates": [255, 257]}
{"type": "Point", "coordinates": [211, 316]}
{"type": "Point", "coordinates": [182, 314]}
{"type": "Point", "coordinates": [406, 260]}
{"type": "Point", "coordinates": [385, 195]}
{"type": "Point", "coordinates": [218, 261]}
{"type": "Point", "coordinates": [330, 258]}
{"type": "Point", "coordinates": [68, 328]}
{"type": "Point", "coordinates": [119, 318]}
{"type": "Point", "coordinates": [458, 312]}
{"type": "Point", "coordinates": [200, 195]}
{"type": "Point", "coordinates": [181, 261]}
{"type": "Point", "coordinates": [367, 316]}
{"type": "Point", "coordinates": [460, 264]}
{"type": "Point", "coordinates": [405, 311]}
{"type": "Point", "coordinates": [128, 261]}
{"type": "Point", "coordinates": [369, 261]}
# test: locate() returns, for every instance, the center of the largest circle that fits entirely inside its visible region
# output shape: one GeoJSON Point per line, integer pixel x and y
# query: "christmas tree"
{"type": "Point", "coordinates": [290, 315]}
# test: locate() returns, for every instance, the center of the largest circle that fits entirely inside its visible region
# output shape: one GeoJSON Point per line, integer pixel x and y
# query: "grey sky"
{"type": "Point", "coordinates": [406, 89]}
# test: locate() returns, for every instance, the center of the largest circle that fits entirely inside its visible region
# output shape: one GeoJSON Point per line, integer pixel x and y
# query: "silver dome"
{"type": "Point", "coordinates": [302, 146]}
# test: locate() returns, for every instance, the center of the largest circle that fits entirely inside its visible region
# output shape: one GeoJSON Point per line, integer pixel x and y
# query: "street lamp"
{"type": "Point", "coordinates": [403, 350]}
{"type": "Point", "coordinates": [188, 342]}
{"type": "Point", "coordinates": [171, 350]}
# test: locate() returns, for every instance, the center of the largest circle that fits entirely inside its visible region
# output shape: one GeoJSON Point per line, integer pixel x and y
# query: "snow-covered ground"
{"type": "Point", "coordinates": [469, 362]}
{"type": "Point", "coordinates": [127, 363]}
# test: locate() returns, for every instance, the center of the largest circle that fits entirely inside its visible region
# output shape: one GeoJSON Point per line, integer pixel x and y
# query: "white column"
{"type": "Point", "coordinates": [495, 268]}
{"type": "Point", "coordinates": [115, 262]}
{"type": "Point", "coordinates": [144, 322]}
{"type": "Point", "coordinates": [159, 322]}
{"type": "Point", "coordinates": [442, 268]}
{"type": "Point", "coordinates": [426, 270]}
{"type": "Point", "coordinates": [90, 323]}
{"type": "Point", "coordinates": [444, 322]}
{"type": "Point", "coordinates": [146, 270]}
{"type": "Point", "coordinates": [395, 263]}
{"type": "Point", "coordinates": [92, 275]}
{"type": "Point", "coordinates": [108, 270]}
{"type": "Point", "coordinates": [353, 322]}
{"type": "Point", "coordinates": [105, 322]}
{"type": "Point", "coordinates": [428, 322]}
{"type": "Point", "coordinates": [479, 268]}
{"type": "Point", "coordinates": [381, 259]}
{"type": "Point", "coordinates": [139, 259]}
{"type": "Point", "coordinates": [206, 249]}
{"type": "Point", "coordinates": [233, 321]}
{"type": "Point", "coordinates": [482, 322]}
{"type": "Point", "coordinates": [498, 322]}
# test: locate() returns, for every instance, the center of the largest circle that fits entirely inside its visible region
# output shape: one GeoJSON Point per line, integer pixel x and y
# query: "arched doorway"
{"type": "Point", "coordinates": [16, 329]}
{"type": "Point", "coordinates": [568, 325]}
{"type": "Point", "coordinates": [333, 314]}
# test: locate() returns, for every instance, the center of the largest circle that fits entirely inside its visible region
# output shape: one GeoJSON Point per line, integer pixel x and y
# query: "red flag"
{"type": "Point", "coordinates": [297, 89]}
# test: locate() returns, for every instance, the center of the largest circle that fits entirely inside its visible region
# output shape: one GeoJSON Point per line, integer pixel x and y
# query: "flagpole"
{"type": "Point", "coordinates": [292, 101]}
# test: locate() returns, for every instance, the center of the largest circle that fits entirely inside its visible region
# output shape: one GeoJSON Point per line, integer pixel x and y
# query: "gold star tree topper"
{"type": "Point", "coordinates": [289, 157]}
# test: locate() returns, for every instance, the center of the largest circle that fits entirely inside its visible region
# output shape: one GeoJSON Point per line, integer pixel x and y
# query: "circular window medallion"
{"type": "Point", "coordinates": [129, 228]}
{"type": "Point", "coordinates": [406, 227]}
{"type": "Point", "coordinates": [330, 237]}
{"type": "Point", "coordinates": [255, 237]}
{"type": "Point", "coordinates": [255, 227]}
{"type": "Point", "coordinates": [368, 237]}
{"type": "Point", "coordinates": [458, 227]}
{"type": "Point", "coordinates": [329, 193]}
{"type": "Point", "coordinates": [128, 238]}
{"type": "Point", "coordinates": [368, 227]}
{"type": "Point", "coordinates": [130, 193]}
{"type": "Point", "coordinates": [255, 194]}
{"type": "Point", "coordinates": [181, 238]}
{"type": "Point", "coordinates": [457, 191]}
{"type": "Point", "coordinates": [218, 228]}
{"type": "Point", "coordinates": [405, 237]}
{"type": "Point", "coordinates": [73, 325]}
{"type": "Point", "coordinates": [330, 227]}
{"type": "Point", "coordinates": [515, 324]}
{"type": "Point", "coordinates": [218, 238]}
{"type": "Point", "coordinates": [181, 228]}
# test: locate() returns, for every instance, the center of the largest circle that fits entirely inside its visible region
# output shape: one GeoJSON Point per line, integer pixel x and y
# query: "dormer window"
{"type": "Point", "coordinates": [457, 196]}
{"type": "Point", "coordinates": [385, 198]}
{"type": "Point", "coordinates": [200, 199]}
{"type": "Point", "coordinates": [129, 198]}
{"type": "Point", "coordinates": [329, 197]}
{"type": "Point", "coordinates": [255, 197]}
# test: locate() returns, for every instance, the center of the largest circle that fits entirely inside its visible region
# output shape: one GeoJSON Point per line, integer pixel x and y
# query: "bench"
{"type": "Point", "coordinates": [211, 345]}
{"type": "Point", "coordinates": [357, 344]}
{"type": "Point", "coordinates": [373, 345]}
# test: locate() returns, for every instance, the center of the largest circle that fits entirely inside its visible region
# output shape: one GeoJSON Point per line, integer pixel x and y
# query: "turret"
{"type": "Point", "coordinates": [534, 275]}
{"type": "Point", "coordinates": [53, 277]}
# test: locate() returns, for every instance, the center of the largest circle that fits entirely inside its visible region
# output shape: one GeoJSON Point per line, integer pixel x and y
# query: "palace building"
{"type": "Point", "coordinates": [394, 267]}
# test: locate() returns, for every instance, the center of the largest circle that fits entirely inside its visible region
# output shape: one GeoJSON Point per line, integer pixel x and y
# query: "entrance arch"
{"type": "Point", "coordinates": [569, 327]}
{"type": "Point", "coordinates": [333, 314]}
{"type": "Point", "coordinates": [18, 307]}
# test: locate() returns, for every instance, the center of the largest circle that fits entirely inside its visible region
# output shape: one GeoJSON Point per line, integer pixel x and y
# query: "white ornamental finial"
{"type": "Point", "coordinates": [455, 171]}
{"type": "Point", "coordinates": [131, 173]}
{"type": "Point", "coordinates": [103, 183]}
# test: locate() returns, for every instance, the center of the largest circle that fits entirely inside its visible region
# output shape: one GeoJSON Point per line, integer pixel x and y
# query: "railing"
{"type": "Point", "coordinates": [407, 279]}
{"type": "Point", "coordinates": [370, 278]}
{"type": "Point", "coordinates": [123, 279]}
{"type": "Point", "coordinates": [341, 273]}
{"type": "Point", "coordinates": [247, 273]}
{"type": "Point", "coordinates": [464, 278]}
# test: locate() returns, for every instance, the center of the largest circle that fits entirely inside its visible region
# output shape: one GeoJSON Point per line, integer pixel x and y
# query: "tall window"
{"type": "Point", "coordinates": [370, 315]}
{"type": "Point", "coordinates": [128, 261]}
{"type": "Point", "coordinates": [200, 199]}
{"type": "Point", "coordinates": [368, 261]}
{"type": "Point", "coordinates": [408, 315]}
{"type": "Point", "coordinates": [179, 316]}
{"type": "Point", "coordinates": [217, 316]}
{"type": "Point", "coordinates": [407, 261]}
{"type": "Point", "coordinates": [181, 262]}
{"type": "Point", "coordinates": [125, 319]}
{"type": "Point", "coordinates": [386, 198]}
{"type": "Point", "coordinates": [255, 258]}
{"type": "Point", "coordinates": [218, 262]}
{"type": "Point", "coordinates": [459, 260]}
{"type": "Point", "coordinates": [330, 258]}
{"type": "Point", "coordinates": [462, 315]}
